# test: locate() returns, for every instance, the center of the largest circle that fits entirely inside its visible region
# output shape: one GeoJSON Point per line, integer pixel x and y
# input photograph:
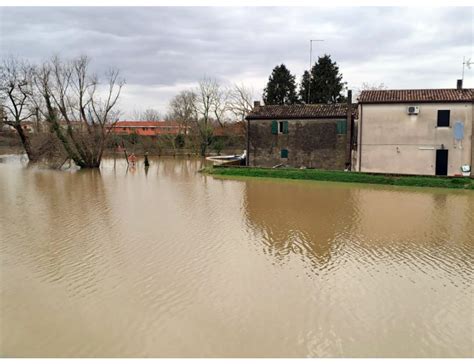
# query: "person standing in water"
{"type": "Point", "coordinates": [132, 159]}
{"type": "Point", "coordinates": [147, 163]}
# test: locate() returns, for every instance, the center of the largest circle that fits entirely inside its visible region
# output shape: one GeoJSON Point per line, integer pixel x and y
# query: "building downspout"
{"type": "Point", "coordinates": [359, 144]}
{"type": "Point", "coordinates": [247, 159]}
{"type": "Point", "coordinates": [349, 131]}
{"type": "Point", "coordinates": [472, 140]}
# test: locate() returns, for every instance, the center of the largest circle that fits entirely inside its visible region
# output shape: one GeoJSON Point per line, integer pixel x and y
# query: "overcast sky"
{"type": "Point", "coordinates": [161, 50]}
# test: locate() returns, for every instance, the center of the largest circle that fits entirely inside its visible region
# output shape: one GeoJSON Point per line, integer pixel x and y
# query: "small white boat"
{"type": "Point", "coordinates": [229, 160]}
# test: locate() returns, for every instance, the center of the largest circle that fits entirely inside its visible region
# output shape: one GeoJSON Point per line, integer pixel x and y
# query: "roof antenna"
{"type": "Point", "coordinates": [311, 65]}
{"type": "Point", "coordinates": [468, 63]}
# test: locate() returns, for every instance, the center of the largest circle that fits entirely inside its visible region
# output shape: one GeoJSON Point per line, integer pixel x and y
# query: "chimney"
{"type": "Point", "coordinates": [459, 85]}
{"type": "Point", "coordinates": [256, 103]}
{"type": "Point", "coordinates": [349, 97]}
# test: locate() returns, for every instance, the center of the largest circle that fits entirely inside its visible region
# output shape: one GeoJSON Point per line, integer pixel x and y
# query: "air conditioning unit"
{"type": "Point", "coordinates": [413, 110]}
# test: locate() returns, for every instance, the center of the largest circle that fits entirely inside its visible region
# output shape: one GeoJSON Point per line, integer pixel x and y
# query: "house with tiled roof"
{"type": "Point", "coordinates": [301, 135]}
{"type": "Point", "coordinates": [420, 131]}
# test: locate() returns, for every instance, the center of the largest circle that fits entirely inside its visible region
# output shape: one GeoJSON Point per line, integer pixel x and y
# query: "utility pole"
{"type": "Point", "coordinates": [311, 64]}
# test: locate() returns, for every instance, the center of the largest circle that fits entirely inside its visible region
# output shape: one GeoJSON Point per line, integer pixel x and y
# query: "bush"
{"type": "Point", "coordinates": [180, 141]}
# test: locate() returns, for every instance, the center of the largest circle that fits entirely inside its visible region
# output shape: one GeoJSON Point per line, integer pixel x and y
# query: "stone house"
{"type": "Point", "coordinates": [311, 136]}
{"type": "Point", "coordinates": [422, 132]}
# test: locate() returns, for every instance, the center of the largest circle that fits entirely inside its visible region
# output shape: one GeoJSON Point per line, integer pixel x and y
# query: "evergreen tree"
{"type": "Point", "coordinates": [281, 87]}
{"type": "Point", "coordinates": [326, 82]}
{"type": "Point", "coordinates": [304, 86]}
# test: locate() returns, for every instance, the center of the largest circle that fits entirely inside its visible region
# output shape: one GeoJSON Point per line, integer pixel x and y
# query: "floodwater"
{"type": "Point", "coordinates": [173, 263]}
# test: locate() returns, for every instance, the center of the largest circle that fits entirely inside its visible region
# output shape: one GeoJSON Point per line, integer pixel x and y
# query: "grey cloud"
{"type": "Point", "coordinates": [166, 46]}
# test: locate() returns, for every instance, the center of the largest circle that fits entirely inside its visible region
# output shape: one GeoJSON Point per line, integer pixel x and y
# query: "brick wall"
{"type": "Point", "coordinates": [310, 143]}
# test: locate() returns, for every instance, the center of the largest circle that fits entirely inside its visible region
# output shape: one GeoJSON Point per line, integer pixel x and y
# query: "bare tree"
{"type": "Point", "coordinates": [147, 115]}
{"type": "Point", "coordinates": [151, 115]}
{"type": "Point", "coordinates": [16, 99]}
{"type": "Point", "coordinates": [182, 109]}
{"type": "Point", "coordinates": [211, 104]}
{"type": "Point", "coordinates": [79, 108]}
{"type": "Point", "coordinates": [366, 86]}
{"type": "Point", "coordinates": [240, 101]}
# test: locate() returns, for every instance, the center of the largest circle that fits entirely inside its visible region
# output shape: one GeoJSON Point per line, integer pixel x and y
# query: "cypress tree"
{"type": "Point", "coordinates": [326, 81]}
{"type": "Point", "coordinates": [281, 87]}
{"type": "Point", "coordinates": [304, 86]}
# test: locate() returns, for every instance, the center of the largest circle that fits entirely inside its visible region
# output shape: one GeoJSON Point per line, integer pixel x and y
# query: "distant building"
{"type": "Point", "coordinates": [311, 136]}
{"type": "Point", "coordinates": [425, 132]}
{"type": "Point", "coordinates": [148, 128]}
{"type": "Point", "coordinates": [27, 127]}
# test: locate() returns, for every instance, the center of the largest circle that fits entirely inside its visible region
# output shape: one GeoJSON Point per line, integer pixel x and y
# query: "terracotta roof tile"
{"type": "Point", "coordinates": [423, 95]}
{"type": "Point", "coordinates": [141, 124]}
{"type": "Point", "coordinates": [301, 111]}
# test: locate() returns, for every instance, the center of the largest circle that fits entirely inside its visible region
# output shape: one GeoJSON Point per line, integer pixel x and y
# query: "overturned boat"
{"type": "Point", "coordinates": [229, 160]}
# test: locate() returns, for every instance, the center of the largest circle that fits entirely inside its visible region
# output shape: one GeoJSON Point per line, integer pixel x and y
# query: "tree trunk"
{"type": "Point", "coordinates": [203, 149]}
{"type": "Point", "coordinates": [25, 141]}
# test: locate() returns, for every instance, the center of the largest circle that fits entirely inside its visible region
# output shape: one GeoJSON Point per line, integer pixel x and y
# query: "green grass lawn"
{"type": "Point", "coordinates": [341, 176]}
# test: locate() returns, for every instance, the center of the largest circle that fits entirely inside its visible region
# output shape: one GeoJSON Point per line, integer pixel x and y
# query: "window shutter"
{"type": "Point", "coordinates": [285, 127]}
{"type": "Point", "coordinates": [284, 153]}
{"type": "Point", "coordinates": [274, 127]}
{"type": "Point", "coordinates": [341, 127]}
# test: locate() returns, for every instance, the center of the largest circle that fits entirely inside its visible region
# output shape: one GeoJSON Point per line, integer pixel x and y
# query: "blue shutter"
{"type": "Point", "coordinates": [285, 127]}
{"type": "Point", "coordinates": [274, 127]}
{"type": "Point", "coordinates": [284, 153]}
{"type": "Point", "coordinates": [341, 127]}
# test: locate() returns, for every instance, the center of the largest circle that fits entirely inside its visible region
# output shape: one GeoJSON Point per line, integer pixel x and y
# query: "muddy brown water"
{"type": "Point", "coordinates": [173, 263]}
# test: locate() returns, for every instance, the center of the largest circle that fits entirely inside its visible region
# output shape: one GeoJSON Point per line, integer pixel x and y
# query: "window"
{"type": "Point", "coordinates": [279, 127]}
{"type": "Point", "coordinates": [124, 129]}
{"type": "Point", "coordinates": [283, 127]}
{"type": "Point", "coordinates": [284, 153]}
{"type": "Point", "coordinates": [443, 118]}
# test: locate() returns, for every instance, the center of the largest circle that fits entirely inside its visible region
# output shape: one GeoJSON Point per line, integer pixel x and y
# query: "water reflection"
{"type": "Point", "coordinates": [376, 256]}
{"type": "Point", "coordinates": [165, 261]}
{"type": "Point", "coordinates": [321, 220]}
{"type": "Point", "coordinates": [299, 218]}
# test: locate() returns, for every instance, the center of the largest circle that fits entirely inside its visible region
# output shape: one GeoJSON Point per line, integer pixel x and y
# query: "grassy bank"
{"type": "Point", "coordinates": [340, 176]}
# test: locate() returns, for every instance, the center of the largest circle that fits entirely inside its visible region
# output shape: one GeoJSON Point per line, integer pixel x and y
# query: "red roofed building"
{"type": "Point", "coordinates": [148, 128]}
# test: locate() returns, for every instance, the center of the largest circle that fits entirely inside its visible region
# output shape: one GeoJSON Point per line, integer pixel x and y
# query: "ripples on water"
{"type": "Point", "coordinates": [174, 263]}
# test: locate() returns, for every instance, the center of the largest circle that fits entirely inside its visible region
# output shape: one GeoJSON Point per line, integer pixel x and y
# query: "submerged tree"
{"type": "Point", "coordinates": [182, 109]}
{"type": "Point", "coordinates": [211, 105]}
{"type": "Point", "coordinates": [281, 87]}
{"type": "Point", "coordinates": [16, 100]}
{"type": "Point", "coordinates": [80, 110]}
